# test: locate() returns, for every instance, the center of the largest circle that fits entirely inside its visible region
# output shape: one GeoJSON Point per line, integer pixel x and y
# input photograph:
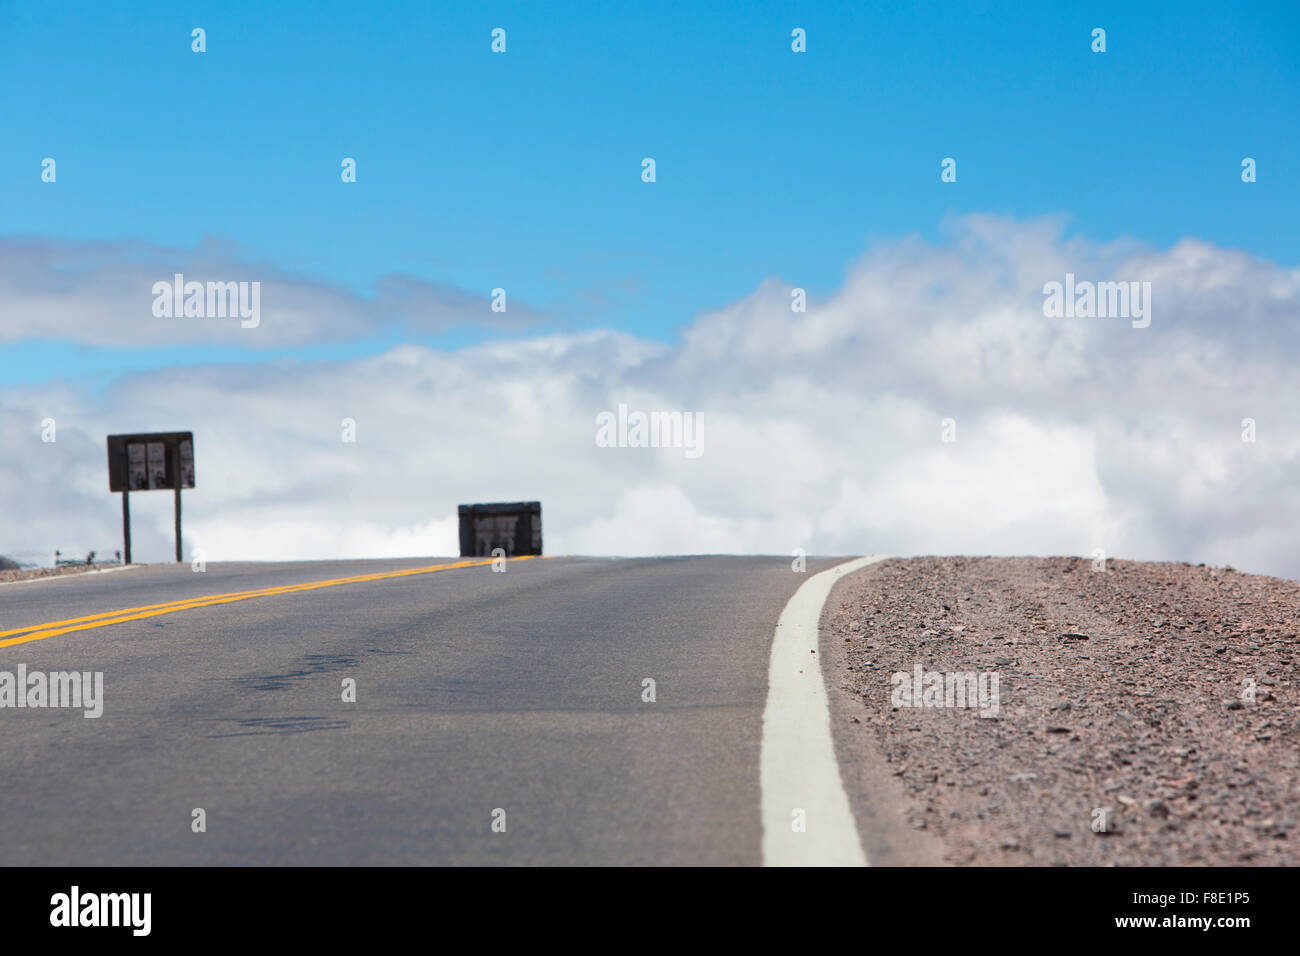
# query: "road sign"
{"type": "Point", "coordinates": [515, 528]}
{"type": "Point", "coordinates": [153, 461]}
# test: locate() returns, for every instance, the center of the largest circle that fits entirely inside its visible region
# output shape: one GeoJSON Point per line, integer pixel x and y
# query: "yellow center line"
{"type": "Point", "coordinates": [39, 632]}
{"type": "Point", "coordinates": [275, 589]}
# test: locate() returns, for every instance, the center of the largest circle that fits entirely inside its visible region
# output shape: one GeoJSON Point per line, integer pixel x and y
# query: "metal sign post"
{"type": "Point", "coordinates": [126, 526]}
{"type": "Point", "coordinates": [176, 470]}
{"type": "Point", "coordinates": [150, 462]}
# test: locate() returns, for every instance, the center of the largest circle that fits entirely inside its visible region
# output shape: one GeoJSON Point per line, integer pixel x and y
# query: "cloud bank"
{"type": "Point", "coordinates": [101, 294]}
{"type": "Point", "coordinates": [822, 430]}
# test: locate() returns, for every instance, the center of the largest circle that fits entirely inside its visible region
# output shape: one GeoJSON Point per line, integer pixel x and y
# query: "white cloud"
{"type": "Point", "coordinates": [101, 293]}
{"type": "Point", "coordinates": [822, 430]}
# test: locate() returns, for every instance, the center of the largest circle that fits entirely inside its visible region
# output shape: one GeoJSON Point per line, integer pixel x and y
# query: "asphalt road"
{"type": "Point", "coordinates": [476, 692]}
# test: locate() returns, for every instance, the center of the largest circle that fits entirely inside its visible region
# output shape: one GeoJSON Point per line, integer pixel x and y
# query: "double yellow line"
{"type": "Point", "coordinates": [38, 632]}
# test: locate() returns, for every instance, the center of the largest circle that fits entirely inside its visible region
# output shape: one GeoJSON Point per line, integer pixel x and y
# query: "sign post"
{"type": "Point", "coordinates": [150, 462]}
{"type": "Point", "coordinates": [126, 526]}
{"type": "Point", "coordinates": [176, 469]}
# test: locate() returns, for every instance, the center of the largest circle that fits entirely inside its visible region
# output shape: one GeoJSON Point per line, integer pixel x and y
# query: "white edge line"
{"type": "Point", "coordinates": [799, 774]}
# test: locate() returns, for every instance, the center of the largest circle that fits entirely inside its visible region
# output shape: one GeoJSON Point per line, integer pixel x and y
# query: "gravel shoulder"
{"type": "Point", "coordinates": [11, 575]}
{"type": "Point", "coordinates": [1159, 701]}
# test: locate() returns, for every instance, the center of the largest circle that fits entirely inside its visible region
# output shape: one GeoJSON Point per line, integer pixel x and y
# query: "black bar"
{"type": "Point", "coordinates": [236, 905]}
{"type": "Point", "coordinates": [176, 481]}
{"type": "Point", "coordinates": [126, 527]}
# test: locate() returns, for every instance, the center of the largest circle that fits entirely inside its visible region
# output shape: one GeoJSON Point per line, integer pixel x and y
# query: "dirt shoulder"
{"type": "Point", "coordinates": [29, 574]}
{"type": "Point", "coordinates": [1126, 694]}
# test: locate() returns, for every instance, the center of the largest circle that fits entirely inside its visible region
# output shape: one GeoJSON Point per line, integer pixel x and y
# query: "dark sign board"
{"type": "Point", "coordinates": [150, 462]}
{"type": "Point", "coordinates": [515, 528]}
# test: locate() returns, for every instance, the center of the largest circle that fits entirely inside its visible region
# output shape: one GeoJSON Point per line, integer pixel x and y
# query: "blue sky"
{"type": "Point", "coordinates": [522, 170]}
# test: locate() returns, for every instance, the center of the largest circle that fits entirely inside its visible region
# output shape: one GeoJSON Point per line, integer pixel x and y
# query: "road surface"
{"type": "Point", "coordinates": [476, 692]}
